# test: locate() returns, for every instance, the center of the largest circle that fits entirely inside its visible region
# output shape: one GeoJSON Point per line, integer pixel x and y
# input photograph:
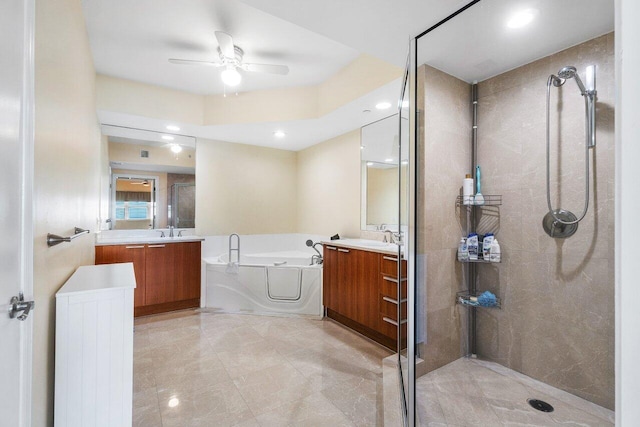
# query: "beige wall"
{"type": "Point", "coordinates": [67, 173]}
{"type": "Point", "coordinates": [244, 189]}
{"type": "Point", "coordinates": [130, 153]}
{"type": "Point", "coordinates": [557, 321]}
{"type": "Point", "coordinates": [446, 160]}
{"type": "Point", "coordinates": [329, 187]}
{"type": "Point", "coordinates": [382, 196]}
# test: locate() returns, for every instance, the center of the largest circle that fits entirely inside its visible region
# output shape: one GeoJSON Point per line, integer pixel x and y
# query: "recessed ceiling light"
{"type": "Point", "coordinates": [521, 18]}
{"type": "Point", "coordinates": [173, 402]}
{"type": "Point", "coordinates": [369, 163]}
{"type": "Point", "coordinates": [167, 137]}
{"type": "Point", "coordinates": [176, 148]}
{"type": "Point", "coordinates": [172, 128]}
{"type": "Point", "coordinates": [383, 105]}
{"type": "Point", "coordinates": [279, 134]}
{"type": "Point", "coordinates": [388, 160]}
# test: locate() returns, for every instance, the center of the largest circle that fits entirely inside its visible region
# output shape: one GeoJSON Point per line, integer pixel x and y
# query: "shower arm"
{"type": "Point", "coordinates": [589, 98]}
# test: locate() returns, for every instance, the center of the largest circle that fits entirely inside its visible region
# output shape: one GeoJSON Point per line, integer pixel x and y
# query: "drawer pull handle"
{"type": "Point", "coordinates": [331, 248]}
{"type": "Point", "coordinates": [388, 258]}
{"type": "Point", "coordinates": [156, 246]}
{"type": "Point", "coordinates": [390, 279]}
{"type": "Point", "coordinates": [134, 247]}
{"type": "Point", "coordinates": [391, 300]}
{"type": "Point", "coordinates": [343, 250]}
{"type": "Point", "coordinates": [393, 322]}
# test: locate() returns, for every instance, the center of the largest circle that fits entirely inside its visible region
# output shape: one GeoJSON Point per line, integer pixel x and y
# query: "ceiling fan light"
{"type": "Point", "coordinates": [176, 148]}
{"type": "Point", "coordinates": [230, 76]}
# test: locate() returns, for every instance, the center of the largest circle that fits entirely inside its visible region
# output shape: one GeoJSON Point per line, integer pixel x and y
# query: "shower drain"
{"type": "Point", "coordinates": [540, 405]}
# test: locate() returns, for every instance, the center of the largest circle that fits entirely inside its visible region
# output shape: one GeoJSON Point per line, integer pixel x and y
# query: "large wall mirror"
{"type": "Point", "coordinates": [153, 179]}
{"type": "Point", "coordinates": [379, 175]}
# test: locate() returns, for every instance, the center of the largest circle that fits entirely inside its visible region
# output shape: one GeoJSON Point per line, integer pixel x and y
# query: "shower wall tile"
{"type": "Point", "coordinates": [446, 150]}
{"type": "Point", "coordinates": [557, 320]}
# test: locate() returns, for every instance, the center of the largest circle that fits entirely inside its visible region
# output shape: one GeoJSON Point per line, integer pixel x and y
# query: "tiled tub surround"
{"type": "Point", "coordinates": [557, 320]}
{"type": "Point", "coordinates": [202, 369]}
{"type": "Point", "coordinates": [474, 392]}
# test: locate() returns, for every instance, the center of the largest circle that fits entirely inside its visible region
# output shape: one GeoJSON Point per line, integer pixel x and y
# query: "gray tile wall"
{"type": "Point", "coordinates": [557, 321]}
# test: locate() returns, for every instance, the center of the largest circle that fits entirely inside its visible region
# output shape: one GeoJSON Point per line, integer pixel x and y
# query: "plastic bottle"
{"type": "Point", "coordinates": [467, 190]}
{"type": "Point", "coordinates": [495, 254]}
{"type": "Point", "coordinates": [472, 246]}
{"type": "Point", "coordinates": [463, 252]}
{"type": "Point", "coordinates": [486, 246]}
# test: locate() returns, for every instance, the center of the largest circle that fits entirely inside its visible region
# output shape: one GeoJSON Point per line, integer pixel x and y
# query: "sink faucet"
{"type": "Point", "coordinates": [393, 237]}
{"type": "Point", "coordinates": [171, 231]}
{"type": "Point", "coordinates": [161, 232]}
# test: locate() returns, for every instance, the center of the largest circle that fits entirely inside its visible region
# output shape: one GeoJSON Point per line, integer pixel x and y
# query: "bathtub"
{"type": "Point", "coordinates": [264, 283]}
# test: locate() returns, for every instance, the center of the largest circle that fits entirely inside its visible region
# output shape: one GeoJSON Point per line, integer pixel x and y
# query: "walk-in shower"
{"type": "Point", "coordinates": [560, 223]}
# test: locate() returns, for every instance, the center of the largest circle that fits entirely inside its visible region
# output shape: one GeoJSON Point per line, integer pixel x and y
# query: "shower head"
{"type": "Point", "coordinates": [567, 72]}
{"type": "Point", "coordinates": [313, 246]}
{"type": "Point", "coordinates": [570, 72]}
{"type": "Point", "coordinates": [309, 242]}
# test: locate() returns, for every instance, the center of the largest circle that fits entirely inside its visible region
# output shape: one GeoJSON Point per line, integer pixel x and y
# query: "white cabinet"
{"type": "Point", "coordinates": [94, 347]}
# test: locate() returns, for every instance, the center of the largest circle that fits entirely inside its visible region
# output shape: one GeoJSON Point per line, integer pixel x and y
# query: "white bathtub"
{"type": "Point", "coordinates": [264, 283]}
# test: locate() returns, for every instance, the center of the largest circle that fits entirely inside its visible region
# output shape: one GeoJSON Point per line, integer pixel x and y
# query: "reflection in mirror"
{"type": "Point", "coordinates": [152, 179]}
{"type": "Point", "coordinates": [379, 174]}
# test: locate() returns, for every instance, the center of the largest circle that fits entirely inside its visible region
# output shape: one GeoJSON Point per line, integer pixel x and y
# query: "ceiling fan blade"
{"type": "Point", "coordinates": [266, 68]}
{"type": "Point", "coordinates": [192, 62]}
{"type": "Point", "coordinates": [226, 44]}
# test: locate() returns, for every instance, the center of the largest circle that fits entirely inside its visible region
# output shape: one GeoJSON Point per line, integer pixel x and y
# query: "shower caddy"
{"type": "Point", "coordinates": [473, 222]}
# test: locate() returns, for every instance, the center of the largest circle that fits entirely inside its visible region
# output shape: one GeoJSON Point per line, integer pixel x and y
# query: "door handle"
{"type": "Point", "coordinates": [19, 304]}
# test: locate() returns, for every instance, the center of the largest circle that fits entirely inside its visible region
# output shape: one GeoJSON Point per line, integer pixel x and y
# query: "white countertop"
{"type": "Point", "coordinates": [364, 244]}
{"type": "Point", "coordinates": [91, 278]}
{"type": "Point", "coordinates": [141, 240]}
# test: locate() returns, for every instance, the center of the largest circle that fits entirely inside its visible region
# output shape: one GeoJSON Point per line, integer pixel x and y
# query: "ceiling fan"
{"type": "Point", "coordinates": [231, 59]}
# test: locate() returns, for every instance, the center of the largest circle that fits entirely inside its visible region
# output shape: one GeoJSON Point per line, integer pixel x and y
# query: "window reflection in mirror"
{"type": "Point", "coordinates": [379, 174]}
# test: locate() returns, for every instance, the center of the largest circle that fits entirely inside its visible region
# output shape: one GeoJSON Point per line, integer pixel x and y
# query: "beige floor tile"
{"type": "Point", "coordinates": [312, 411]}
{"type": "Point", "coordinates": [250, 358]}
{"type": "Point", "coordinates": [358, 399]}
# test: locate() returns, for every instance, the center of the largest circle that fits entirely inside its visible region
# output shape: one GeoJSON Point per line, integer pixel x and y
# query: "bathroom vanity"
{"type": "Point", "coordinates": [360, 289]}
{"type": "Point", "coordinates": [167, 270]}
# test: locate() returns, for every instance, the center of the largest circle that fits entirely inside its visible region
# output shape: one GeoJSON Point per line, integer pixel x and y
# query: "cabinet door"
{"type": "Point", "coordinates": [127, 253]}
{"type": "Point", "coordinates": [160, 271]}
{"type": "Point", "coordinates": [187, 270]}
{"type": "Point", "coordinates": [367, 288]}
{"type": "Point", "coordinates": [347, 282]}
{"type": "Point", "coordinates": [330, 277]}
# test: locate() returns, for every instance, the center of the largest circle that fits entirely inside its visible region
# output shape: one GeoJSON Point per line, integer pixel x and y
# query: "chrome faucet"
{"type": "Point", "coordinates": [316, 259]}
{"type": "Point", "coordinates": [161, 232]}
{"type": "Point", "coordinates": [171, 231]}
{"type": "Point", "coordinates": [393, 237]}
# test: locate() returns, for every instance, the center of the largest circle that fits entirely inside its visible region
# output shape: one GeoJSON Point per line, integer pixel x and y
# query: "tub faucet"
{"type": "Point", "coordinates": [316, 259]}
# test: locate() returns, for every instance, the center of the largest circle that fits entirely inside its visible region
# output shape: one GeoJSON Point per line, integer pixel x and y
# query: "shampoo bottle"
{"type": "Point", "coordinates": [495, 255]}
{"type": "Point", "coordinates": [467, 190]}
{"type": "Point", "coordinates": [463, 252]}
{"type": "Point", "coordinates": [472, 246]}
{"type": "Point", "coordinates": [486, 246]}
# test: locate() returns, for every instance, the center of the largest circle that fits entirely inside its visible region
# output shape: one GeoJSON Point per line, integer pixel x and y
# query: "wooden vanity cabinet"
{"type": "Point", "coordinates": [115, 254]}
{"type": "Point", "coordinates": [359, 289]}
{"type": "Point", "coordinates": [167, 275]}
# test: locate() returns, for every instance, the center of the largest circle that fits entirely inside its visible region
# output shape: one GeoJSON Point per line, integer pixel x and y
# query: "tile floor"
{"type": "Point", "coordinates": [196, 368]}
{"type": "Point", "coordinates": [471, 392]}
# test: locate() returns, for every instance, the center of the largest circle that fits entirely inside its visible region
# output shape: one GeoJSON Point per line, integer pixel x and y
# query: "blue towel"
{"type": "Point", "coordinates": [487, 299]}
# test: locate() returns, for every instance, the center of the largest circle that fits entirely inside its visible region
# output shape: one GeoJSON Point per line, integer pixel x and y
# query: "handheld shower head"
{"type": "Point", "coordinates": [313, 245]}
{"type": "Point", "coordinates": [570, 72]}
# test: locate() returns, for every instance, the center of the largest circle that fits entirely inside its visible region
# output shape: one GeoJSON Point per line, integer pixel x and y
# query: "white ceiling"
{"type": "Point", "coordinates": [134, 39]}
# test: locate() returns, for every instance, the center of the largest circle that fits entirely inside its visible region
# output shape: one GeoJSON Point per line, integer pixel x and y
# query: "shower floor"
{"type": "Point", "coordinates": [474, 392]}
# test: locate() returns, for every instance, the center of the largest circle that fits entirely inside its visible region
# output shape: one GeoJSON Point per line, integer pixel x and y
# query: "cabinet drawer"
{"type": "Point", "coordinates": [389, 266]}
{"type": "Point", "coordinates": [389, 307]}
{"type": "Point", "coordinates": [389, 287]}
{"type": "Point", "coordinates": [389, 327]}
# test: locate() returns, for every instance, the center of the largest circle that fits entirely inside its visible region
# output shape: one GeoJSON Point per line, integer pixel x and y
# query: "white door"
{"type": "Point", "coordinates": [16, 171]}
